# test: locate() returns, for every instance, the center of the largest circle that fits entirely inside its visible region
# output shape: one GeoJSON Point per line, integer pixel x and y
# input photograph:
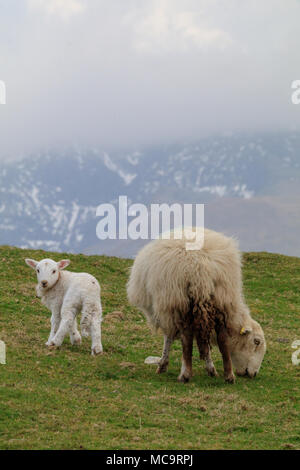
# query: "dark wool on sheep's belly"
{"type": "Point", "coordinates": [203, 318]}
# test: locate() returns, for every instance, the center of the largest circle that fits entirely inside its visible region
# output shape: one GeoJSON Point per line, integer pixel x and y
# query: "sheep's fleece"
{"type": "Point", "coordinates": [165, 277]}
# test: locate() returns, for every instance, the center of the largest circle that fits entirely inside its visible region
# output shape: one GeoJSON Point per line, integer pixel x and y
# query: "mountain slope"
{"type": "Point", "coordinates": [49, 200]}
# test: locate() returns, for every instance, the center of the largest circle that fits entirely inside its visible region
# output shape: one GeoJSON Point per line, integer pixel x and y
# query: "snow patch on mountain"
{"type": "Point", "coordinates": [49, 200]}
{"type": "Point", "coordinates": [127, 177]}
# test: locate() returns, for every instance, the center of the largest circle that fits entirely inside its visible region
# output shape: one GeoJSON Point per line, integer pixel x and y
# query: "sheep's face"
{"type": "Point", "coordinates": [47, 272]}
{"type": "Point", "coordinates": [248, 350]}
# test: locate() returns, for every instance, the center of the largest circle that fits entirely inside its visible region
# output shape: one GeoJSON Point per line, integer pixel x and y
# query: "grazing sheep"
{"type": "Point", "coordinates": [195, 293]}
{"type": "Point", "coordinates": [66, 294]}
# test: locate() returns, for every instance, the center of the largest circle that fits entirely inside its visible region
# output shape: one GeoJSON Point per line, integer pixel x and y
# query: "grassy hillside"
{"type": "Point", "coordinates": [66, 399]}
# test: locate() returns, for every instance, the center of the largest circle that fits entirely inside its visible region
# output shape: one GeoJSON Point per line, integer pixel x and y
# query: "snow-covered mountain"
{"type": "Point", "coordinates": [49, 200]}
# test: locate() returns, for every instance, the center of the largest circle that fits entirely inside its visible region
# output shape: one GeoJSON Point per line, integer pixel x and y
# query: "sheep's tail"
{"type": "Point", "coordinates": [85, 324]}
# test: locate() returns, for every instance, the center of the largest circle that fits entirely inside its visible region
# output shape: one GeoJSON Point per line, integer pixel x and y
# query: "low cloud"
{"type": "Point", "coordinates": [63, 9]}
{"type": "Point", "coordinates": [169, 29]}
{"type": "Point", "coordinates": [132, 73]}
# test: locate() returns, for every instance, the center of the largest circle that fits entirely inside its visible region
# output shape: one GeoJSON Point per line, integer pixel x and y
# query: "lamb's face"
{"type": "Point", "coordinates": [47, 272]}
{"type": "Point", "coordinates": [248, 352]}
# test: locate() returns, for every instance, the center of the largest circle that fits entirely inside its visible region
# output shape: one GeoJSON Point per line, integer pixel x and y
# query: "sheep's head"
{"type": "Point", "coordinates": [47, 271]}
{"type": "Point", "coordinates": [248, 348]}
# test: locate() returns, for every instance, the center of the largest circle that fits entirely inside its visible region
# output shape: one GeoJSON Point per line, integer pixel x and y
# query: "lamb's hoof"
{"type": "Point", "coordinates": [48, 343]}
{"type": "Point", "coordinates": [53, 346]}
{"type": "Point", "coordinates": [162, 368]}
{"type": "Point", "coordinates": [230, 379]}
{"type": "Point", "coordinates": [76, 341]}
{"type": "Point", "coordinates": [97, 350]}
{"type": "Point", "coordinates": [212, 372]}
{"type": "Point", "coordinates": [85, 333]}
{"type": "Point", "coordinates": [183, 378]}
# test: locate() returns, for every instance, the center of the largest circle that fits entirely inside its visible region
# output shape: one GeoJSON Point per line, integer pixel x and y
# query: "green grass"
{"type": "Point", "coordinates": [67, 399]}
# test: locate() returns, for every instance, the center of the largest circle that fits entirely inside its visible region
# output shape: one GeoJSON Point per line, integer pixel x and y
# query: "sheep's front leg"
{"type": "Point", "coordinates": [75, 337]}
{"type": "Point", "coordinates": [55, 321]}
{"type": "Point", "coordinates": [164, 361]}
{"type": "Point", "coordinates": [68, 315]}
{"type": "Point", "coordinates": [222, 339]}
{"type": "Point", "coordinates": [187, 337]}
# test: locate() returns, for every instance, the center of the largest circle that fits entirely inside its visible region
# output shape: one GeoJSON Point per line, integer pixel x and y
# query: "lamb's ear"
{"type": "Point", "coordinates": [245, 330]}
{"type": "Point", "coordinates": [31, 262]}
{"type": "Point", "coordinates": [63, 263]}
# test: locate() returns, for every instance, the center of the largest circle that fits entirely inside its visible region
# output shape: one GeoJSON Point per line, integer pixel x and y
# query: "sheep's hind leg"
{"type": "Point", "coordinates": [204, 351]}
{"type": "Point", "coordinates": [209, 365]}
{"type": "Point", "coordinates": [223, 346]}
{"type": "Point", "coordinates": [75, 337]}
{"type": "Point", "coordinates": [164, 361]}
{"type": "Point", "coordinates": [96, 314]}
{"type": "Point", "coordinates": [187, 337]}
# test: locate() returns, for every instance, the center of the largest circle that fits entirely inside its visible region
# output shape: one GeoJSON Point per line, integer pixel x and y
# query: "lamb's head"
{"type": "Point", "coordinates": [248, 347]}
{"type": "Point", "coordinates": [47, 272]}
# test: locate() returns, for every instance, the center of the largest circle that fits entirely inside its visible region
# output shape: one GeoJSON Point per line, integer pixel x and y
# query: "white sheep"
{"type": "Point", "coordinates": [66, 294]}
{"type": "Point", "coordinates": [191, 293]}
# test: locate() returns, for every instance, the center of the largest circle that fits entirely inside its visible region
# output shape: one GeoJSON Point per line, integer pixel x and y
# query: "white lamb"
{"type": "Point", "coordinates": [66, 294]}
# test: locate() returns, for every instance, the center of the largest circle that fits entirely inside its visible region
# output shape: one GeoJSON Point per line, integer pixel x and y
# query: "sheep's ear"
{"type": "Point", "coordinates": [63, 263]}
{"type": "Point", "coordinates": [245, 330]}
{"type": "Point", "coordinates": [31, 262]}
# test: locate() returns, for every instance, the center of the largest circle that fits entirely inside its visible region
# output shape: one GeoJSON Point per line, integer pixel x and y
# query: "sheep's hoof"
{"type": "Point", "coordinates": [212, 372]}
{"type": "Point", "coordinates": [162, 368]}
{"type": "Point", "coordinates": [53, 346]}
{"type": "Point", "coordinates": [230, 379]}
{"type": "Point", "coordinates": [97, 350]}
{"type": "Point", "coordinates": [183, 378]}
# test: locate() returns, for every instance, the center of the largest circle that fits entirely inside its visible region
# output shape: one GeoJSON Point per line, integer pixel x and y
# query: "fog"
{"type": "Point", "coordinates": [128, 73]}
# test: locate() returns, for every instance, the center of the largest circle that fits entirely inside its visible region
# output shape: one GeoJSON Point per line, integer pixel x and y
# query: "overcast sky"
{"type": "Point", "coordinates": [118, 73]}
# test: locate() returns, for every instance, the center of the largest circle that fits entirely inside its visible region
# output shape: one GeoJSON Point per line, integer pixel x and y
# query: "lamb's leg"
{"type": "Point", "coordinates": [204, 351]}
{"type": "Point", "coordinates": [85, 323]}
{"type": "Point", "coordinates": [96, 316]}
{"type": "Point", "coordinates": [55, 320]}
{"type": "Point", "coordinates": [75, 337]}
{"type": "Point", "coordinates": [222, 339]}
{"type": "Point", "coordinates": [68, 315]}
{"type": "Point", "coordinates": [187, 337]}
{"type": "Point", "coordinates": [164, 361]}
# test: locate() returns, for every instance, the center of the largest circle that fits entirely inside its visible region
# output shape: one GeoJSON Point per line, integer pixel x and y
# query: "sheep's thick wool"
{"type": "Point", "coordinates": [174, 286]}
